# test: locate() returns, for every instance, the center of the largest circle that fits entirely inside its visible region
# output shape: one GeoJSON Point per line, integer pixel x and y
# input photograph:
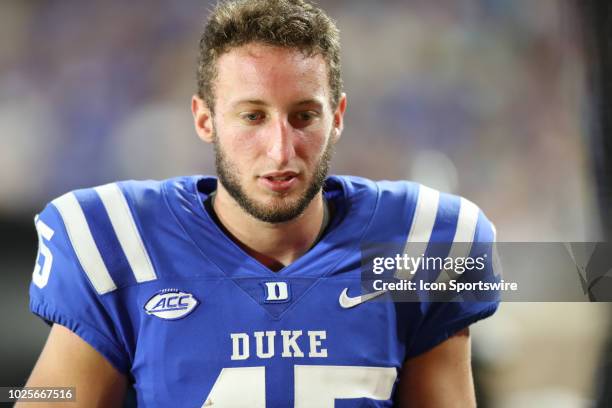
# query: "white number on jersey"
{"type": "Point", "coordinates": [315, 385]}
{"type": "Point", "coordinates": [40, 277]}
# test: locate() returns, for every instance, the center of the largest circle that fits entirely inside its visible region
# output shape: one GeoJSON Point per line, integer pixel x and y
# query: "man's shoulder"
{"type": "Point", "coordinates": [356, 185]}
{"type": "Point", "coordinates": [406, 191]}
{"type": "Point", "coordinates": [111, 236]}
{"type": "Point", "coordinates": [427, 213]}
{"type": "Point", "coordinates": [136, 194]}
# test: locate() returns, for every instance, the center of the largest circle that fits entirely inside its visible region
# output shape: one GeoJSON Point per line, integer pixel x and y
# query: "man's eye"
{"type": "Point", "coordinates": [306, 116]}
{"type": "Point", "coordinates": [302, 119]}
{"type": "Point", "coordinates": [252, 116]}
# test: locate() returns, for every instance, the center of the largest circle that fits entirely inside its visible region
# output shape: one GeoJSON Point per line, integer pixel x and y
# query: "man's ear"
{"type": "Point", "coordinates": [202, 119]}
{"type": "Point", "coordinates": [339, 118]}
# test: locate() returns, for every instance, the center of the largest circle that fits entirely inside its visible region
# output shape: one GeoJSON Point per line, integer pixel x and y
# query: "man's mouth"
{"type": "Point", "coordinates": [279, 178]}
{"type": "Point", "coordinates": [279, 181]}
{"type": "Point", "coordinates": [280, 175]}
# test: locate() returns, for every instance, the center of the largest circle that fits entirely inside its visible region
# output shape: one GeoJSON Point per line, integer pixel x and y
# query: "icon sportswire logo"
{"type": "Point", "coordinates": [346, 302]}
{"type": "Point", "coordinates": [171, 304]}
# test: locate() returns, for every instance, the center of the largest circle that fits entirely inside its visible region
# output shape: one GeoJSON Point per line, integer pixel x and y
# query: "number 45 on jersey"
{"type": "Point", "coordinates": [315, 385]}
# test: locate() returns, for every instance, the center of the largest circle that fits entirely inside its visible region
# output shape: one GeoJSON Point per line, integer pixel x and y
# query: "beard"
{"type": "Point", "coordinates": [283, 209]}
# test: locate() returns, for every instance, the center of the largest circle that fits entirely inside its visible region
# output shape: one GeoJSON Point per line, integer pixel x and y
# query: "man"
{"type": "Point", "coordinates": [243, 291]}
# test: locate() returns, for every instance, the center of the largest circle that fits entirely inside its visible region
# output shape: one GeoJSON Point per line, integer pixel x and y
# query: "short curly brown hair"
{"type": "Point", "coordinates": [283, 23]}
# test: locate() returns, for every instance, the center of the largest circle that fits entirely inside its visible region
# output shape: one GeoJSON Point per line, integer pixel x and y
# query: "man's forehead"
{"type": "Point", "coordinates": [255, 69]}
{"type": "Point", "coordinates": [261, 51]}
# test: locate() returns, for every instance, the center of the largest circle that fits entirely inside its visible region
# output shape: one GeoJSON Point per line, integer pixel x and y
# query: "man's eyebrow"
{"type": "Point", "coordinates": [250, 102]}
{"type": "Point", "coordinates": [263, 103]}
{"type": "Point", "coordinates": [309, 102]}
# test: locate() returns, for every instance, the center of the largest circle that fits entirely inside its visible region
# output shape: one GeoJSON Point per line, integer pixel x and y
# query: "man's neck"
{"type": "Point", "coordinates": [274, 245]}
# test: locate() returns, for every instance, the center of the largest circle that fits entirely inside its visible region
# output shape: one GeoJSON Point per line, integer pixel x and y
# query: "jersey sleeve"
{"type": "Point", "coordinates": [62, 292]}
{"type": "Point", "coordinates": [442, 319]}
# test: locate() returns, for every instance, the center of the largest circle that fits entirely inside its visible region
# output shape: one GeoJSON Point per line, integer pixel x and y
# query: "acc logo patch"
{"type": "Point", "coordinates": [171, 304]}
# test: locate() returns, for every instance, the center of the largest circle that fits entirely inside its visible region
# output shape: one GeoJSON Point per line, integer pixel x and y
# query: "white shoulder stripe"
{"type": "Point", "coordinates": [466, 222]}
{"type": "Point", "coordinates": [497, 265]}
{"type": "Point", "coordinates": [423, 222]}
{"type": "Point", "coordinates": [127, 233]}
{"type": "Point", "coordinates": [424, 215]}
{"type": "Point", "coordinates": [464, 234]}
{"type": "Point", "coordinates": [83, 243]}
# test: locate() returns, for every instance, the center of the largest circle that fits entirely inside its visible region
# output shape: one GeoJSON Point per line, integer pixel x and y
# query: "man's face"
{"type": "Point", "coordinates": [273, 129]}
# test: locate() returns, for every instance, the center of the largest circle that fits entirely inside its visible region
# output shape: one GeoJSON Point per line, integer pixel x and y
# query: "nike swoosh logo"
{"type": "Point", "coordinates": [347, 302]}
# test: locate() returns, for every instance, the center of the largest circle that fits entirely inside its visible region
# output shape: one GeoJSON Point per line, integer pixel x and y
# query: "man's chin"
{"type": "Point", "coordinates": [278, 205]}
{"type": "Point", "coordinates": [278, 208]}
{"type": "Point", "coordinates": [271, 206]}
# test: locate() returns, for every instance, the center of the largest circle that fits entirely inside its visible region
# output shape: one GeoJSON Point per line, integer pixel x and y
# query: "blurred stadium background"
{"type": "Point", "coordinates": [484, 98]}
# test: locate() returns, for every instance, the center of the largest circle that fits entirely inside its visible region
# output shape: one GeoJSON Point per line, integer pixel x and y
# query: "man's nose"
{"type": "Point", "coordinates": [280, 142]}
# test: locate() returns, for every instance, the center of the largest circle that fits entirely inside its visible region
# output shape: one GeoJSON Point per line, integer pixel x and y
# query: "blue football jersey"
{"type": "Point", "coordinates": [142, 272]}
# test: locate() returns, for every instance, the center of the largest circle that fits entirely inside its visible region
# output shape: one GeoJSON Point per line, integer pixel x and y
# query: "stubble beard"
{"type": "Point", "coordinates": [283, 209]}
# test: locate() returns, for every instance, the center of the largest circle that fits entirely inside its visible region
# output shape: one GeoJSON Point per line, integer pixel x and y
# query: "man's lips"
{"type": "Point", "coordinates": [279, 181]}
{"type": "Point", "coordinates": [280, 175]}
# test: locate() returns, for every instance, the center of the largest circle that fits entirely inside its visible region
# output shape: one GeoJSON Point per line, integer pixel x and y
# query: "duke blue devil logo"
{"type": "Point", "coordinates": [276, 291]}
{"type": "Point", "coordinates": [171, 304]}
